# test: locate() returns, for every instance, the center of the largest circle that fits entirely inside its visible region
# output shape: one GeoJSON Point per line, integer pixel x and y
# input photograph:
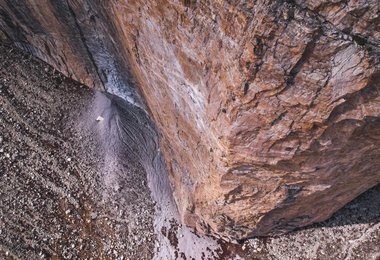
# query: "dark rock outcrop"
{"type": "Point", "coordinates": [269, 111]}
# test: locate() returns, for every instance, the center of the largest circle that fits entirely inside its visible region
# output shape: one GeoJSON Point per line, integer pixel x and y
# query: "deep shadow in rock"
{"type": "Point", "coordinates": [353, 232]}
{"type": "Point", "coordinates": [363, 209]}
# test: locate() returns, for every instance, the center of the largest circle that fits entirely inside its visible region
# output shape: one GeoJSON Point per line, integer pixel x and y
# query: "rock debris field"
{"type": "Point", "coordinates": [75, 178]}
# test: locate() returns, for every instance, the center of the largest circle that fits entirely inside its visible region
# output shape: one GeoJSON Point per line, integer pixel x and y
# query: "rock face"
{"type": "Point", "coordinates": [269, 111]}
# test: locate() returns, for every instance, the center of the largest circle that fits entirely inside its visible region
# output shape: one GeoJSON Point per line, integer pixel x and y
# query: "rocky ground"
{"type": "Point", "coordinates": [60, 197]}
{"type": "Point", "coordinates": [73, 186]}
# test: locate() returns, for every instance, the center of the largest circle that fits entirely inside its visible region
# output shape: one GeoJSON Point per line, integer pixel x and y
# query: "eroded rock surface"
{"type": "Point", "coordinates": [268, 110]}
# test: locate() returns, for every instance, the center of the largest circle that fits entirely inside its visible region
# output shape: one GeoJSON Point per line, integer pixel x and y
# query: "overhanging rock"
{"type": "Point", "coordinates": [269, 111]}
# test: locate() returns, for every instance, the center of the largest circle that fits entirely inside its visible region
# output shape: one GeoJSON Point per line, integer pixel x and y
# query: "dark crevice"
{"type": "Point", "coordinates": [21, 11]}
{"type": "Point", "coordinates": [278, 119]}
{"type": "Point", "coordinates": [317, 93]}
{"type": "Point", "coordinates": [246, 87]}
{"type": "Point", "coordinates": [291, 193]}
{"type": "Point", "coordinates": [83, 39]}
{"type": "Point", "coordinates": [304, 58]}
{"type": "Point", "coordinates": [327, 26]}
{"type": "Point", "coordinates": [359, 40]}
{"type": "Point", "coordinates": [308, 51]}
{"type": "Point", "coordinates": [11, 27]}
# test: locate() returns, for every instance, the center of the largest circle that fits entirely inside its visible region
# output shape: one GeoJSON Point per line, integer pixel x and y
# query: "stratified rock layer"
{"type": "Point", "coordinates": [269, 111]}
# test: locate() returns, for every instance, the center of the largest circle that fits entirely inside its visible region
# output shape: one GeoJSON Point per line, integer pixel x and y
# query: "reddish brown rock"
{"type": "Point", "coordinates": [269, 111]}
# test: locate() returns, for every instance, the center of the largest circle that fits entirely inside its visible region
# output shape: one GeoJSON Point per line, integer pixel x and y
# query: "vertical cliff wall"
{"type": "Point", "coordinates": [76, 37]}
{"type": "Point", "coordinates": [268, 110]}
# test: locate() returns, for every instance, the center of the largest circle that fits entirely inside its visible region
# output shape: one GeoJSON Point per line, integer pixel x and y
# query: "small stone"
{"type": "Point", "coordinates": [68, 159]}
{"type": "Point", "coordinates": [99, 118]}
{"type": "Point", "coordinates": [94, 215]}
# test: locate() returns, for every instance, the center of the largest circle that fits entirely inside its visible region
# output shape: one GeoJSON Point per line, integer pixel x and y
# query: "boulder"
{"type": "Point", "coordinates": [269, 111]}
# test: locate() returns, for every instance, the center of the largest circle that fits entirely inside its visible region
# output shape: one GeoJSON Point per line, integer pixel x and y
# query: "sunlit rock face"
{"type": "Point", "coordinates": [268, 110]}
